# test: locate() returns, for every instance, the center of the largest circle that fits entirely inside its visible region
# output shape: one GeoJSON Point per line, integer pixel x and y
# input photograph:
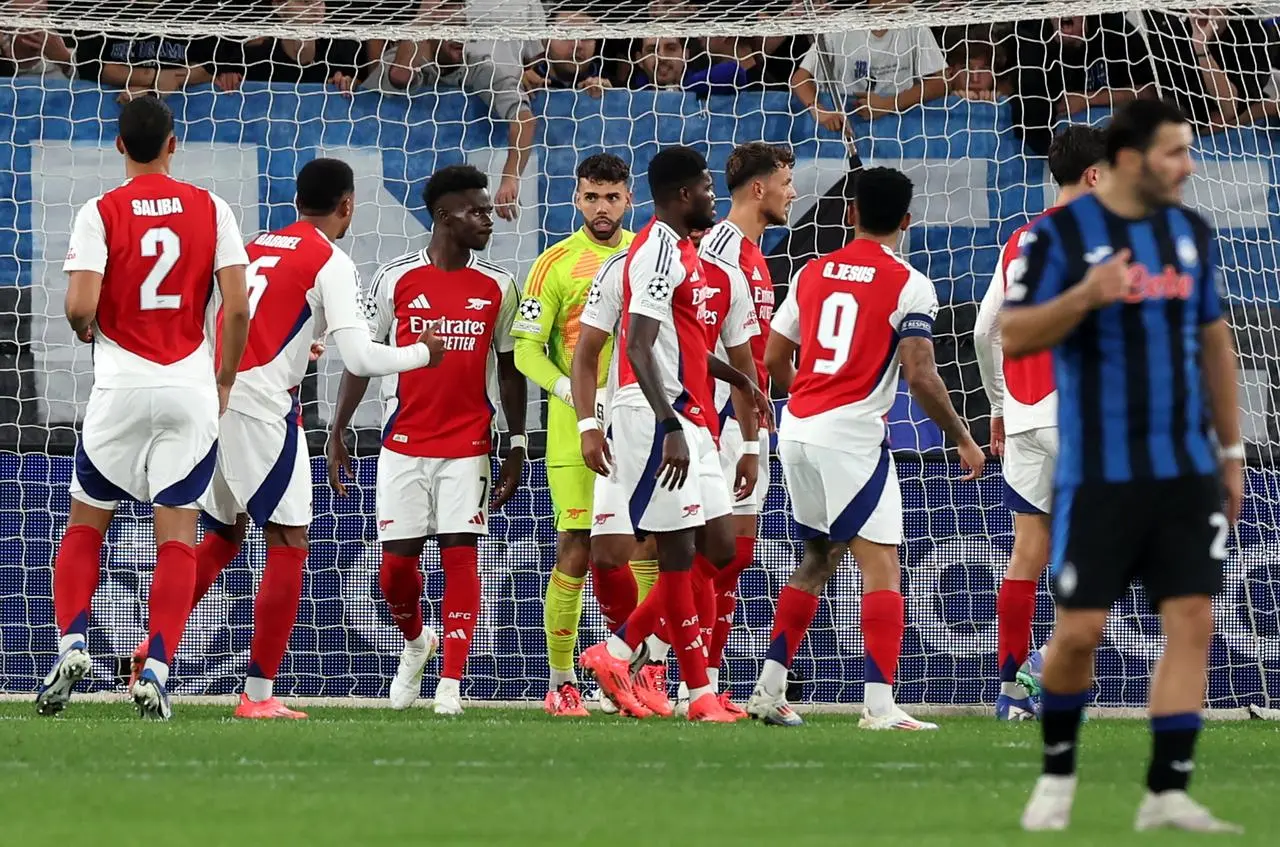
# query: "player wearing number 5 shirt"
{"type": "Point", "coordinates": [302, 287]}
{"type": "Point", "coordinates": [434, 466]}
{"type": "Point", "coordinates": [142, 264]}
{"type": "Point", "coordinates": [853, 315]}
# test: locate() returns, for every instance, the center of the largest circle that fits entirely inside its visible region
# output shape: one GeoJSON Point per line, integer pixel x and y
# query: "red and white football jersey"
{"type": "Point", "coordinates": [1030, 400]}
{"type": "Point", "coordinates": [734, 263]}
{"type": "Point", "coordinates": [445, 412]}
{"type": "Point", "coordinates": [157, 242]}
{"type": "Point", "coordinates": [603, 311]}
{"type": "Point", "coordinates": [662, 280]}
{"type": "Point", "coordinates": [301, 286]}
{"type": "Point", "coordinates": [847, 311]}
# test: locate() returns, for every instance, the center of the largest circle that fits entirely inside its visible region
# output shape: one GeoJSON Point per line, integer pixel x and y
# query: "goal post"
{"type": "Point", "coordinates": [975, 181]}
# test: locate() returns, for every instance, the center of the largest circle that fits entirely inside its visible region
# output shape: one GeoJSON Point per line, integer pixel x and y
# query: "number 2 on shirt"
{"type": "Point", "coordinates": [835, 330]}
{"type": "Point", "coordinates": [160, 243]}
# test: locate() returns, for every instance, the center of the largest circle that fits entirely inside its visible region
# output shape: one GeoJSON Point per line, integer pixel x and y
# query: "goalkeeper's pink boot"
{"type": "Point", "coordinates": [266, 709]}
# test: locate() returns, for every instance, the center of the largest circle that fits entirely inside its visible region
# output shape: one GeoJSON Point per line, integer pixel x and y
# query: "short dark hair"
{"type": "Point", "coordinates": [1074, 150]}
{"type": "Point", "coordinates": [672, 169]}
{"type": "Point", "coordinates": [322, 183]}
{"type": "Point", "coordinates": [145, 125]}
{"type": "Point", "coordinates": [604, 167]}
{"type": "Point", "coordinates": [452, 179]}
{"type": "Point", "coordinates": [753, 160]}
{"type": "Point", "coordinates": [883, 200]}
{"type": "Point", "coordinates": [1135, 124]}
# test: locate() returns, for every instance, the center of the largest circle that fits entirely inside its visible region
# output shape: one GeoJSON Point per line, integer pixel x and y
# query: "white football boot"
{"type": "Point", "coordinates": [1175, 810]}
{"type": "Point", "coordinates": [71, 666]}
{"type": "Point", "coordinates": [772, 709]}
{"type": "Point", "coordinates": [407, 685]}
{"type": "Point", "coordinates": [448, 699]}
{"type": "Point", "coordinates": [1049, 809]}
{"type": "Point", "coordinates": [893, 719]}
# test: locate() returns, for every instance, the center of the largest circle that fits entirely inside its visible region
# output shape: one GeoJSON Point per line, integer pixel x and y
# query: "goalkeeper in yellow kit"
{"type": "Point", "coordinates": [546, 333]}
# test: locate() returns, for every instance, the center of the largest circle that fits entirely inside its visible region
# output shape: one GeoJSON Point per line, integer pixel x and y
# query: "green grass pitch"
{"type": "Point", "coordinates": [98, 775]}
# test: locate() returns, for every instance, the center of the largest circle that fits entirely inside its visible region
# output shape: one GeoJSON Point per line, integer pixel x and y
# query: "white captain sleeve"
{"type": "Point", "coordinates": [88, 248]}
{"type": "Point", "coordinates": [340, 305]}
{"type": "Point", "coordinates": [917, 307]}
{"type": "Point", "coordinates": [604, 300]}
{"type": "Point", "coordinates": [229, 248]}
{"type": "Point", "coordinates": [786, 320]}
{"type": "Point", "coordinates": [655, 272]}
{"type": "Point", "coordinates": [503, 340]}
{"type": "Point", "coordinates": [986, 342]}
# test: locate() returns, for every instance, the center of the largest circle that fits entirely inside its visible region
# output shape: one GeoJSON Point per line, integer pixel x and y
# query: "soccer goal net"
{"type": "Point", "coordinates": [525, 90]}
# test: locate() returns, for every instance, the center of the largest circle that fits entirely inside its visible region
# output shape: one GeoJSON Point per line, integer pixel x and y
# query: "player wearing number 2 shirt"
{"type": "Point", "coordinates": [434, 467]}
{"type": "Point", "coordinates": [853, 315]}
{"type": "Point", "coordinates": [302, 287]}
{"type": "Point", "coordinates": [142, 263]}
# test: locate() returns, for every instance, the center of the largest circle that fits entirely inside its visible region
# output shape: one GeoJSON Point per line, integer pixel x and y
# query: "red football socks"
{"type": "Point", "coordinates": [704, 597]}
{"type": "Point", "coordinates": [401, 581]}
{"type": "Point", "coordinates": [616, 594]}
{"type": "Point", "coordinates": [726, 590]}
{"type": "Point", "coordinates": [791, 621]}
{"type": "Point", "coordinates": [75, 577]}
{"type": "Point", "coordinates": [682, 617]}
{"type": "Point", "coordinates": [646, 619]}
{"type": "Point", "coordinates": [883, 622]}
{"type": "Point", "coordinates": [460, 608]}
{"type": "Point", "coordinates": [169, 603]}
{"type": "Point", "coordinates": [275, 609]}
{"type": "Point", "coordinates": [213, 554]}
{"type": "Point", "coordinates": [1015, 609]}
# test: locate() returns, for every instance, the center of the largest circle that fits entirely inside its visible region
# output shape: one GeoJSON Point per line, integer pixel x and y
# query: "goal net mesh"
{"type": "Point", "coordinates": [258, 88]}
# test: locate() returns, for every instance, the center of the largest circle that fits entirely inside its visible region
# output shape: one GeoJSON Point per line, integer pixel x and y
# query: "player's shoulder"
{"type": "Point", "coordinates": [500, 276]}
{"type": "Point", "coordinates": [1199, 224]}
{"type": "Point", "coordinates": [544, 271]}
{"type": "Point", "coordinates": [656, 247]}
{"type": "Point", "coordinates": [391, 272]}
{"type": "Point", "coordinates": [723, 244]}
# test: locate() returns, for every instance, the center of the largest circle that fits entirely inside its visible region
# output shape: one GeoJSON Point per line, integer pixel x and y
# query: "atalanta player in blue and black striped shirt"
{"type": "Point", "coordinates": [1122, 286]}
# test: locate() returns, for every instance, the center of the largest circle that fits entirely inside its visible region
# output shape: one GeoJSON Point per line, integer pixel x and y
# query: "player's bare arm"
{"type": "Point", "coordinates": [744, 409]}
{"type": "Point", "coordinates": [584, 378]}
{"type": "Point", "coordinates": [351, 391]}
{"type": "Point", "coordinates": [675, 450]}
{"type": "Point", "coordinates": [1029, 329]}
{"type": "Point", "coordinates": [513, 392]}
{"type": "Point", "coordinates": [235, 328]}
{"type": "Point", "coordinates": [745, 382]}
{"type": "Point", "coordinates": [83, 290]}
{"type": "Point", "coordinates": [928, 389]}
{"type": "Point", "coordinates": [1219, 362]}
{"type": "Point", "coordinates": [780, 360]}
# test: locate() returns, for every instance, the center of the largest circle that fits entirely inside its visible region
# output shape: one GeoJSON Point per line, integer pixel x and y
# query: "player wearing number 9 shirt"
{"type": "Point", "coordinates": [142, 263]}
{"type": "Point", "coordinates": [302, 287]}
{"type": "Point", "coordinates": [853, 315]}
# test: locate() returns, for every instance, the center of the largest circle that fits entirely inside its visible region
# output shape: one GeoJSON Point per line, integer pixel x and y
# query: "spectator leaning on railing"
{"type": "Point", "coordinates": [1217, 63]}
{"type": "Point", "coordinates": [145, 63]}
{"type": "Point", "coordinates": [884, 71]}
{"type": "Point", "coordinates": [1062, 66]}
{"type": "Point", "coordinates": [566, 63]}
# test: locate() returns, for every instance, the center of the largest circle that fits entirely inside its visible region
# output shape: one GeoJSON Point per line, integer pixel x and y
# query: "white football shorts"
{"type": "Point", "coordinates": [1029, 461]}
{"type": "Point", "coordinates": [637, 446]}
{"type": "Point", "coordinates": [158, 444]}
{"type": "Point", "coordinates": [263, 471]}
{"type": "Point", "coordinates": [419, 496]}
{"type": "Point", "coordinates": [610, 511]}
{"type": "Point", "coordinates": [843, 495]}
{"type": "Point", "coordinates": [730, 453]}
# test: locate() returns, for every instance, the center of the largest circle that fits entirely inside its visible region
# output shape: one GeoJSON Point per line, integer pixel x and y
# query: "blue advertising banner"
{"type": "Point", "coordinates": [958, 539]}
